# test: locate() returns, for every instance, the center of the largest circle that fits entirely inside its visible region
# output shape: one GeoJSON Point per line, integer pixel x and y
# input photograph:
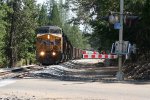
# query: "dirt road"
{"type": "Point", "coordinates": [48, 89]}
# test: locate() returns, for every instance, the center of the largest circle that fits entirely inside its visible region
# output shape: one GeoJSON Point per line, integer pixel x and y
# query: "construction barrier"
{"type": "Point", "coordinates": [95, 55]}
{"type": "Point", "coordinates": [99, 56]}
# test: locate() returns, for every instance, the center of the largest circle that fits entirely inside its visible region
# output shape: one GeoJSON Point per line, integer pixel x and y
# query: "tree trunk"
{"type": "Point", "coordinates": [13, 53]}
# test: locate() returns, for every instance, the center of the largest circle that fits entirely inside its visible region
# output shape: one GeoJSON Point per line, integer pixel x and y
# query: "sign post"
{"type": "Point", "coordinates": [117, 25]}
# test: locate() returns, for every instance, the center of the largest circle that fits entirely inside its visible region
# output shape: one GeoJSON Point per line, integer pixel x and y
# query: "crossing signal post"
{"type": "Point", "coordinates": [118, 22]}
{"type": "Point", "coordinates": [119, 25]}
{"type": "Point", "coordinates": [120, 74]}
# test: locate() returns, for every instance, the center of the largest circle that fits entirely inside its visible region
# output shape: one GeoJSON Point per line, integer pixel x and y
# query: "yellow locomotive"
{"type": "Point", "coordinates": [52, 46]}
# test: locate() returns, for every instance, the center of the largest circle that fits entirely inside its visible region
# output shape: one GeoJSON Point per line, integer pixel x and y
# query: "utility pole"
{"type": "Point", "coordinates": [120, 73]}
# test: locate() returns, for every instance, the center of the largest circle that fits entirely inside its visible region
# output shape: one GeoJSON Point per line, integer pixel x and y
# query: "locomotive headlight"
{"type": "Point", "coordinates": [42, 53]}
{"type": "Point", "coordinates": [54, 53]}
{"type": "Point", "coordinates": [48, 36]}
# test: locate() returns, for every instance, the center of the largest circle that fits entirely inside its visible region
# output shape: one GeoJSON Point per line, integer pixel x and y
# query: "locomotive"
{"type": "Point", "coordinates": [53, 46]}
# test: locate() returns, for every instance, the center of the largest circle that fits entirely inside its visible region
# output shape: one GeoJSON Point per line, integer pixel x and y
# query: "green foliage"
{"type": "Point", "coordinates": [3, 23]}
{"type": "Point", "coordinates": [104, 34]}
{"type": "Point", "coordinates": [29, 24]}
{"type": "Point", "coordinates": [43, 19]}
{"type": "Point", "coordinates": [55, 16]}
{"type": "Point", "coordinates": [49, 14]}
{"type": "Point", "coordinates": [20, 30]}
{"type": "Point", "coordinates": [75, 36]}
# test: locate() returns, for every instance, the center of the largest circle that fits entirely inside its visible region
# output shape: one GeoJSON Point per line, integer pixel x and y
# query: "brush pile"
{"type": "Point", "coordinates": [138, 71]}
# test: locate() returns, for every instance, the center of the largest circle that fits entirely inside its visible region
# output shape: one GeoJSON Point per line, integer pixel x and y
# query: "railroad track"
{"type": "Point", "coordinates": [75, 71]}
{"type": "Point", "coordinates": [3, 74]}
{"type": "Point", "coordinates": [6, 75]}
{"type": "Point", "coordinates": [19, 72]}
{"type": "Point", "coordinates": [72, 71]}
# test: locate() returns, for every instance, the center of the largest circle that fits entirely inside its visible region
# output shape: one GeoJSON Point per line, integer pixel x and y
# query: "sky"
{"type": "Point", "coordinates": [40, 1]}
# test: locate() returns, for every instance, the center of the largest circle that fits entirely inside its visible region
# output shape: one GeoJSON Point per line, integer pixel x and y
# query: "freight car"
{"type": "Point", "coordinates": [53, 46]}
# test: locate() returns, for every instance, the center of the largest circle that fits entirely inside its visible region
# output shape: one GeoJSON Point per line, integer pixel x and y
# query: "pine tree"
{"type": "Point", "coordinates": [28, 26]}
{"type": "Point", "coordinates": [43, 17]}
{"type": "Point", "coordinates": [13, 19]}
{"type": "Point", "coordinates": [55, 16]}
{"type": "Point", "coordinates": [3, 23]}
{"type": "Point", "coordinates": [21, 30]}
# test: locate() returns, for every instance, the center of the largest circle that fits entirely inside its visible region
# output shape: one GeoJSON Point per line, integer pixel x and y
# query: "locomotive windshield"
{"type": "Point", "coordinates": [56, 31]}
{"type": "Point", "coordinates": [42, 30]}
{"type": "Point", "coordinates": [48, 30]}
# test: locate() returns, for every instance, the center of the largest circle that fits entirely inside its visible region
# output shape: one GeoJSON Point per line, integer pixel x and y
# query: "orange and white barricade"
{"type": "Point", "coordinates": [99, 56]}
{"type": "Point", "coordinates": [96, 55]}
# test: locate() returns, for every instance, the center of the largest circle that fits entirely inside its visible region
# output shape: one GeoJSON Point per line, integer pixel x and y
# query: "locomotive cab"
{"type": "Point", "coordinates": [49, 44]}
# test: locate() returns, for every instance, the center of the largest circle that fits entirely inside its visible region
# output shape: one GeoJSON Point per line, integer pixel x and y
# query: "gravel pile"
{"type": "Point", "coordinates": [69, 74]}
{"type": "Point", "coordinates": [71, 71]}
